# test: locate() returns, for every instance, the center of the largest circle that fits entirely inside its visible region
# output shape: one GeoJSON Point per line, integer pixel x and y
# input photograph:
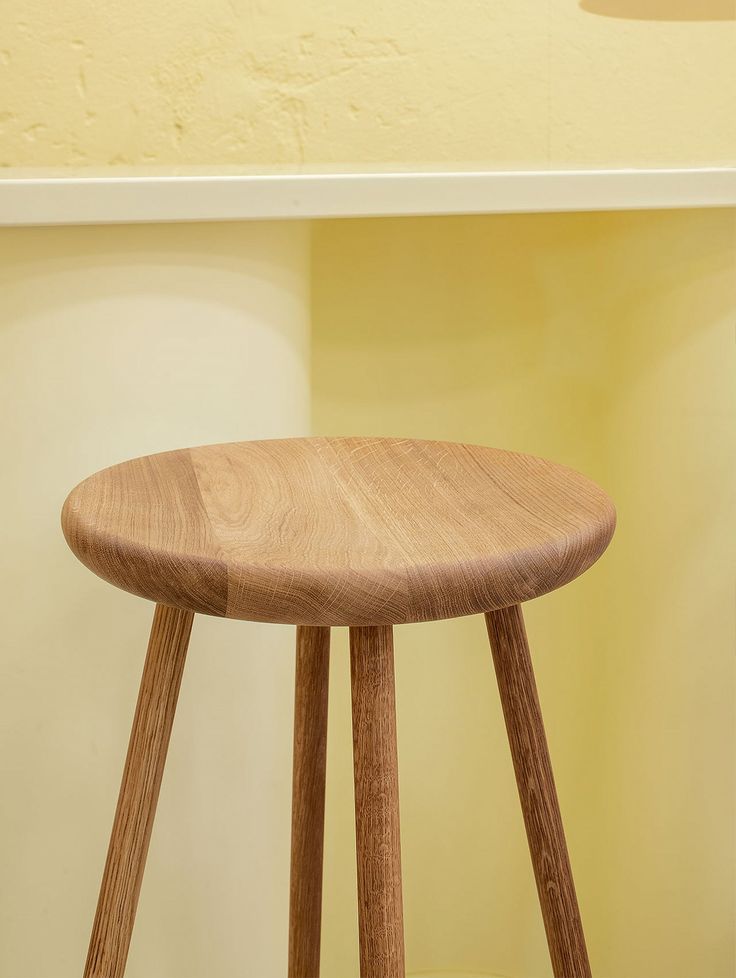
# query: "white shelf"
{"type": "Point", "coordinates": [37, 197]}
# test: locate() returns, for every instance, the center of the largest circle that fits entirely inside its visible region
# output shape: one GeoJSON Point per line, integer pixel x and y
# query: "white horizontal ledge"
{"type": "Point", "coordinates": [107, 197]}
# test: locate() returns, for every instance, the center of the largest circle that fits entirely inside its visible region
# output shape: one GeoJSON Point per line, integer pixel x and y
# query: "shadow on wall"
{"type": "Point", "coordinates": [662, 9]}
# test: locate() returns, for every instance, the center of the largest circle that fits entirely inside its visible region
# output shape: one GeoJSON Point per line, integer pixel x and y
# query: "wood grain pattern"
{"type": "Point", "coordinates": [144, 766]}
{"type": "Point", "coordinates": [375, 762]}
{"type": "Point", "coordinates": [338, 531]}
{"type": "Point", "coordinates": [308, 800]}
{"type": "Point", "coordinates": [537, 792]}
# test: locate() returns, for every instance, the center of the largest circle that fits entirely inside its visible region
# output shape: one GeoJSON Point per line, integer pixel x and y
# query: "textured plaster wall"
{"type": "Point", "coordinates": [503, 81]}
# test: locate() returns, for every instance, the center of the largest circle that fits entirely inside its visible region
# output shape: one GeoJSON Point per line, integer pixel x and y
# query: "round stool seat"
{"type": "Point", "coordinates": [338, 531]}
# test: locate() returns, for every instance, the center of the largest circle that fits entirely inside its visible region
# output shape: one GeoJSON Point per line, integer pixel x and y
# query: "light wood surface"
{"type": "Point", "coordinates": [537, 792]}
{"type": "Point", "coordinates": [338, 531]}
{"type": "Point", "coordinates": [375, 762]}
{"type": "Point", "coordinates": [308, 800]}
{"type": "Point", "coordinates": [144, 767]}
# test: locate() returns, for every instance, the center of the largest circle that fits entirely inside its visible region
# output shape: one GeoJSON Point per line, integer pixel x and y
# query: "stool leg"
{"type": "Point", "coordinates": [144, 766]}
{"type": "Point", "coordinates": [537, 792]}
{"type": "Point", "coordinates": [308, 800]}
{"type": "Point", "coordinates": [380, 912]}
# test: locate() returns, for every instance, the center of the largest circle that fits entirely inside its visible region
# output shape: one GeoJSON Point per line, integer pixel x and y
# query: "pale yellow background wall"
{"type": "Point", "coordinates": [503, 81]}
{"type": "Point", "coordinates": [607, 342]}
{"type": "Point", "coordinates": [603, 341]}
{"type": "Point", "coordinates": [114, 343]}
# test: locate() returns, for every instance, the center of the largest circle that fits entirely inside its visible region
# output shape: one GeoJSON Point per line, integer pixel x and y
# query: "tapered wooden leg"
{"type": "Point", "coordinates": [308, 800]}
{"type": "Point", "coordinates": [537, 792]}
{"type": "Point", "coordinates": [380, 910]}
{"type": "Point", "coordinates": [131, 831]}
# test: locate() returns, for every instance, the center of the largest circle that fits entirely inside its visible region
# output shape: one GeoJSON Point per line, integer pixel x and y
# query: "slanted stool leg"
{"type": "Point", "coordinates": [537, 792]}
{"type": "Point", "coordinates": [144, 768]}
{"type": "Point", "coordinates": [380, 910]}
{"type": "Point", "coordinates": [308, 800]}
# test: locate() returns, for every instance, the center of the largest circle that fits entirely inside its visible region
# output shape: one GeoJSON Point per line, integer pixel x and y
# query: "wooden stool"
{"type": "Point", "coordinates": [319, 532]}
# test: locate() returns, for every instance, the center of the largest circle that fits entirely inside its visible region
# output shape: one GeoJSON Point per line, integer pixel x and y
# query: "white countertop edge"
{"type": "Point", "coordinates": [40, 200]}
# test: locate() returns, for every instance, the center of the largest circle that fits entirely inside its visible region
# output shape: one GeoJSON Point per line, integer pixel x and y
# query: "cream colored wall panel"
{"type": "Point", "coordinates": [114, 343]}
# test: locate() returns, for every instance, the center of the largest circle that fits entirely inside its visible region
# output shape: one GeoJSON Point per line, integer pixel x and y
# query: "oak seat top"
{"type": "Point", "coordinates": [338, 531]}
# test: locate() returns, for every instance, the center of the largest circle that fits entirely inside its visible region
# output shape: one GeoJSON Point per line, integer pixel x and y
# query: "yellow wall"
{"type": "Point", "coordinates": [505, 81]}
{"type": "Point", "coordinates": [117, 342]}
{"type": "Point", "coordinates": [603, 341]}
